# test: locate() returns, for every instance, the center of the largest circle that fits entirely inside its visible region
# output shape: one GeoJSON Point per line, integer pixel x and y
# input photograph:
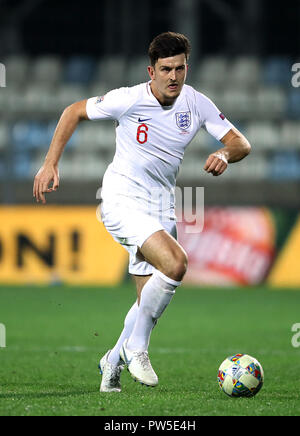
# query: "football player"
{"type": "Point", "coordinates": [156, 121]}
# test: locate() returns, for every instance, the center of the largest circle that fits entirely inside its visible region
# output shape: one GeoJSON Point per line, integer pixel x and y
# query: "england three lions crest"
{"type": "Point", "coordinates": [183, 120]}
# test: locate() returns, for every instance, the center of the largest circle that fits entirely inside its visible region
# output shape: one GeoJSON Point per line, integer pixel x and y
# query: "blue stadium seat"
{"type": "Point", "coordinates": [285, 166]}
{"type": "Point", "coordinates": [277, 71]}
{"type": "Point", "coordinates": [34, 135]}
{"type": "Point", "coordinates": [20, 135]}
{"type": "Point", "coordinates": [22, 165]}
{"type": "Point", "coordinates": [27, 135]}
{"type": "Point", "coordinates": [293, 104]}
{"type": "Point", "coordinates": [80, 70]}
{"type": "Point", "coordinates": [37, 133]}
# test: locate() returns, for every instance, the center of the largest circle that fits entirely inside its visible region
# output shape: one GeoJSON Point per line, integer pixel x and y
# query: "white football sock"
{"type": "Point", "coordinates": [156, 296]}
{"type": "Point", "coordinates": [114, 355]}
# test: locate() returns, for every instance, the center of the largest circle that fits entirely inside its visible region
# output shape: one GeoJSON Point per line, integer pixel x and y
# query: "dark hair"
{"type": "Point", "coordinates": [168, 44]}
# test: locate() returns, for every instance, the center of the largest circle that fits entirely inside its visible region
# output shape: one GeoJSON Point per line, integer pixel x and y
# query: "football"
{"type": "Point", "coordinates": [241, 376]}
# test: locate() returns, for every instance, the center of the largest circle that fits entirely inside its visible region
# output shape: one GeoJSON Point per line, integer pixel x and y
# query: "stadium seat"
{"type": "Point", "coordinates": [270, 102]}
{"type": "Point", "coordinates": [212, 71]}
{"type": "Point", "coordinates": [97, 136]}
{"type": "Point", "coordinates": [22, 165]}
{"type": "Point", "coordinates": [39, 99]}
{"type": "Point", "coordinates": [83, 165]}
{"type": "Point", "coordinates": [4, 135]}
{"type": "Point", "coordinates": [3, 100]}
{"type": "Point", "coordinates": [70, 93]}
{"type": "Point", "coordinates": [46, 71]}
{"type": "Point", "coordinates": [244, 72]}
{"type": "Point", "coordinates": [293, 104]}
{"type": "Point", "coordinates": [12, 101]}
{"type": "Point", "coordinates": [17, 70]}
{"type": "Point", "coordinates": [79, 70]}
{"type": "Point", "coordinates": [20, 135]}
{"type": "Point", "coordinates": [285, 166]}
{"type": "Point", "coordinates": [30, 101]}
{"type": "Point", "coordinates": [290, 135]}
{"type": "Point", "coordinates": [255, 168]}
{"type": "Point", "coordinates": [3, 169]}
{"type": "Point", "coordinates": [95, 167]}
{"type": "Point", "coordinates": [98, 89]}
{"type": "Point", "coordinates": [238, 103]}
{"type": "Point", "coordinates": [38, 135]}
{"type": "Point", "coordinates": [110, 72]}
{"type": "Point", "coordinates": [137, 71]}
{"type": "Point", "coordinates": [190, 169]}
{"type": "Point", "coordinates": [277, 71]}
{"type": "Point", "coordinates": [211, 92]}
{"type": "Point", "coordinates": [264, 135]}
{"type": "Point", "coordinates": [27, 135]}
{"type": "Point", "coordinates": [32, 135]}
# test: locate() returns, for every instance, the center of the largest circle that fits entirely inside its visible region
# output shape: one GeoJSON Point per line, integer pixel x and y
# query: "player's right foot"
{"type": "Point", "coordinates": [110, 375]}
{"type": "Point", "coordinates": [139, 365]}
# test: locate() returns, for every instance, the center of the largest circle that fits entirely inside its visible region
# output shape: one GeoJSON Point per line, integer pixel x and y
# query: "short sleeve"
{"type": "Point", "coordinates": [213, 121]}
{"type": "Point", "coordinates": [110, 106]}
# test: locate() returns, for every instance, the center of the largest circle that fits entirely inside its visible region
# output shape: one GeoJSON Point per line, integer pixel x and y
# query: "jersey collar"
{"type": "Point", "coordinates": [153, 98]}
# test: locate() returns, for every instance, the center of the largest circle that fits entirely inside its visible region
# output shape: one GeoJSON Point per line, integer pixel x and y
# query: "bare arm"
{"type": "Point", "coordinates": [48, 173]}
{"type": "Point", "coordinates": [236, 147]}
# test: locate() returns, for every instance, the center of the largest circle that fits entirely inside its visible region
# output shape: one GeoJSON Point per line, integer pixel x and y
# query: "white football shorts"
{"type": "Point", "coordinates": [131, 228]}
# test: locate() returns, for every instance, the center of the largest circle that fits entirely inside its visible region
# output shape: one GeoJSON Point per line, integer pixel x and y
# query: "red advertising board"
{"type": "Point", "coordinates": [235, 247]}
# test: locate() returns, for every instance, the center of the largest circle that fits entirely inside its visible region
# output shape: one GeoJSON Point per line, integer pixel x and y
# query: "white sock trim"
{"type": "Point", "coordinates": [167, 279]}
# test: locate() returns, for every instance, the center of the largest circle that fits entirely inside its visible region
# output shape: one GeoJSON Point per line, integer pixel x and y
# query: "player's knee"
{"type": "Point", "coordinates": [182, 266]}
{"type": "Point", "coordinates": [179, 266]}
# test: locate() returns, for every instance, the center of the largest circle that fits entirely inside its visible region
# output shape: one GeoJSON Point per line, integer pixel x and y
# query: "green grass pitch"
{"type": "Point", "coordinates": [56, 335]}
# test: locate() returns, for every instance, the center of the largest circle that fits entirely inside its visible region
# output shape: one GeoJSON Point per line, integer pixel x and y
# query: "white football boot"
{"type": "Point", "coordinates": [139, 365]}
{"type": "Point", "coordinates": [110, 375]}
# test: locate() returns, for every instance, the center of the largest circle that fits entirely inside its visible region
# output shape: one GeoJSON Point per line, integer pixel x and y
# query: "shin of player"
{"type": "Point", "coordinates": [155, 298]}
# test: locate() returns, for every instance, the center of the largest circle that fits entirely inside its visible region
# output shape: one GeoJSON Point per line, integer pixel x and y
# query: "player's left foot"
{"type": "Point", "coordinates": [110, 375]}
{"type": "Point", "coordinates": [139, 365]}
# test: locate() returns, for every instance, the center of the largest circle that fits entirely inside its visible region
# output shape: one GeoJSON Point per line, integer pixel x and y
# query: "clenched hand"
{"type": "Point", "coordinates": [216, 164]}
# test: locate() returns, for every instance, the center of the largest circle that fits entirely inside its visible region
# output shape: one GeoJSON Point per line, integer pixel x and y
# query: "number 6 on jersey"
{"type": "Point", "coordinates": [142, 135]}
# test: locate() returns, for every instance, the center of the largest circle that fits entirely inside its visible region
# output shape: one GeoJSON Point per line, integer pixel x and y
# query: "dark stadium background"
{"type": "Point", "coordinates": [261, 27]}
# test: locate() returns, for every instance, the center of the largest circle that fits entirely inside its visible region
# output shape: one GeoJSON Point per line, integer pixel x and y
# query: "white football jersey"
{"type": "Point", "coordinates": [151, 140]}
